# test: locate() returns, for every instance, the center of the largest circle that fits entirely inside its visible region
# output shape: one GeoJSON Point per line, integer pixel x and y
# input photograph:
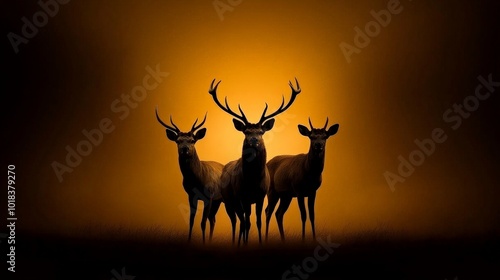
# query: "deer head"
{"type": "Point", "coordinates": [253, 131]}
{"type": "Point", "coordinates": [185, 140]}
{"type": "Point", "coordinates": [318, 136]}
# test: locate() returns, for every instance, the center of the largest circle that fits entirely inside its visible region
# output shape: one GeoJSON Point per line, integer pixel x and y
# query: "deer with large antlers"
{"type": "Point", "coordinates": [245, 181]}
{"type": "Point", "coordinates": [298, 176]}
{"type": "Point", "coordinates": [201, 179]}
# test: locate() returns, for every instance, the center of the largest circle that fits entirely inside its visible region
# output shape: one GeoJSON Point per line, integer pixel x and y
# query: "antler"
{"type": "Point", "coordinates": [326, 123]}
{"type": "Point", "coordinates": [310, 123]}
{"type": "Point", "coordinates": [227, 109]}
{"type": "Point", "coordinates": [195, 127]}
{"type": "Point", "coordinates": [281, 109]}
{"type": "Point", "coordinates": [174, 129]}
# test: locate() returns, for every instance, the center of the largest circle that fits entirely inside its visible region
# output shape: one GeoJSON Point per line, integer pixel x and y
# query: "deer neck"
{"type": "Point", "coordinates": [189, 164]}
{"type": "Point", "coordinates": [254, 160]}
{"type": "Point", "coordinates": [315, 162]}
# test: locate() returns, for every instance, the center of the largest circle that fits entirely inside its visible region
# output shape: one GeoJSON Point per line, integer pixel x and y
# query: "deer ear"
{"type": "Point", "coordinates": [268, 125]}
{"type": "Point", "coordinates": [200, 133]}
{"type": "Point", "coordinates": [304, 130]}
{"type": "Point", "coordinates": [238, 125]}
{"type": "Point", "coordinates": [333, 129]}
{"type": "Point", "coordinates": [172, 136]}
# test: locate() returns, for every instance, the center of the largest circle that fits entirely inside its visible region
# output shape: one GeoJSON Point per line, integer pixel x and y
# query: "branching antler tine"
{"type": "Point", "coordinates": [196, 127]}
{"type": "Point", "coordinates": [227, 105]}
{"type": "Point", "coordinates": [204, 119]}
{"type": "Point", "coordinates": [282, 102]}
{"type": "Point", "coordinates": [212, 88]}
{"type": "Point", "coordinates": [263, 114]}
{"type": "Point", "coordinates": [172, 122]}
{"type": "Point", "coordinates": [326, 123]}
{"type": "Point", "coordinates": [158, 118]}
{"type": "Point", "coordinates": [162, 123]}
{"type": "Point", "coordinates": [310, 123]}
{"type": "Point", "coordinates": [227, 109]}
{"type": "Point", "coordinates": [281, 109]}
{"type": "Point", "coordinates": [242, 114]}
{"type": "Point", "coordinates": [298, 86]}
{"type": "Point", "coordinates": [295, 91]}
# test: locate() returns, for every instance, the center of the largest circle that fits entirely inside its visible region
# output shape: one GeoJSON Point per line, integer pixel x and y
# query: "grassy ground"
{"type": "Point", "coordinates": [155, 253]}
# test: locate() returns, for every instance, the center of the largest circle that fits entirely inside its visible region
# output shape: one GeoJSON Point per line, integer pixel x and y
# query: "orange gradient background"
{"type": "Point", "coordinates": [394, 91]}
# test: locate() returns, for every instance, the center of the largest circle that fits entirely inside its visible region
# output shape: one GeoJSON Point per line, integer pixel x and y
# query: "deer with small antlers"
{"type": "Point", "coordinates": [245, 181]}
{"type": "Point", "coordinates": [298, 176]}
{"type": "Point", "coordinates": [201, 179]}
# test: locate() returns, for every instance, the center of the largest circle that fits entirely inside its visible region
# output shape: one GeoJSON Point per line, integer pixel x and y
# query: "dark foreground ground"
{"type": "Point", "coordinates": [366, 256]}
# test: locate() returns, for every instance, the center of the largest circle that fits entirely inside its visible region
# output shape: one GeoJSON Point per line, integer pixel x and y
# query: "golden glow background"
{"type": "Point", "coordinates": [394, 91]}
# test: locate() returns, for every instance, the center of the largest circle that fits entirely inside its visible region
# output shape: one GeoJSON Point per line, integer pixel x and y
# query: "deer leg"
{"type": "Point", "coordinates": [248, 213]}
{"type": "Point", "coordinates": [206, 209]}
{"type": "Point", "coordinates": [310, 204]}
{"type": "Point", "coordinates": [258, 214]}
{"type": "Point", "coordinates": [241, 217]}
{"type": "Point", "coordinates": [303, 215]}
{"type": "Point", "coordinates": [284, 203]}
{"type": "Point", "coordinates": [193, 205]}
{"type": "Point", "coordinates": [211, 216]}
{"type": "Point", "coordinates": [232, 217]}
{"type": "Point", "coordinates": [272, 200]}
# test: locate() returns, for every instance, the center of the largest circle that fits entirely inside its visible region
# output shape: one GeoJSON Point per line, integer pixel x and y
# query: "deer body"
{"type": "Point", "coordinates": [201, 176]}
{"type": "Point", "coordinates": [246, 181]}
{"type": "Point", "coordinates": [253, 183]}
{"type": "Point", "coordinates": [201, 179]}
{"type": "Point", "coordinates": [298, 176]}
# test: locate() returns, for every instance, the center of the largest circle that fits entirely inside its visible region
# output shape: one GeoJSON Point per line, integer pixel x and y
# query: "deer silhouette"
{"type": "Point", "coordinates": [298, 176]}
{"type": "Point", "coordinates": [201, 179]}
{"type": "Point", "coordinates": [245, 181]}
